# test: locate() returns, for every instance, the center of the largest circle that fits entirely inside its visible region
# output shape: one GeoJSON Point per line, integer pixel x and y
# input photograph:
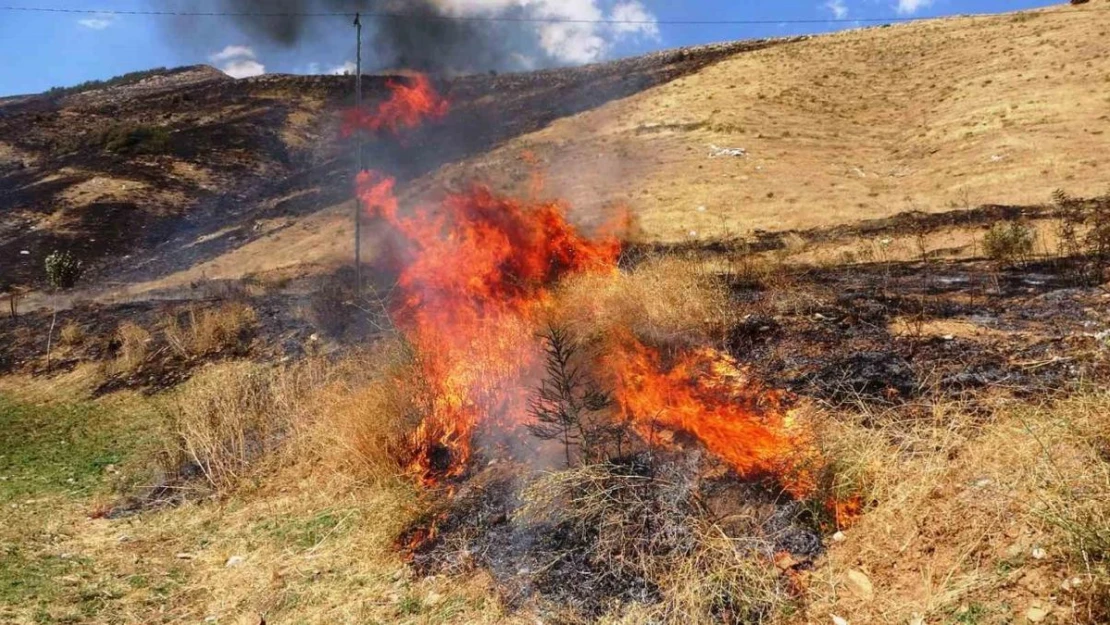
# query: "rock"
{"type": "Point", "coordinates": [234, 561]}
{"type": "Point", "coordinates": [860, 585]}
{"type": "Point", "coordinates": [1037, 613]}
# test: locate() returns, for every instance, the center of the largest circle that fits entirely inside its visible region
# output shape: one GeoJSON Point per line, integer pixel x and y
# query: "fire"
{"type": "Point", "coordinates": [408, 106]}
{"type": "Point", "coordinates": [706, 395]}
{"type": "Point", "coordinates": [476, 276]}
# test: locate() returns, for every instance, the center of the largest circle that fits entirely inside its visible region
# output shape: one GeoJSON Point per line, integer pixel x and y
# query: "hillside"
{"type": "Point", "coordinates": [779, 332]}
{"type": "Point", "coordinates": [838, 130]}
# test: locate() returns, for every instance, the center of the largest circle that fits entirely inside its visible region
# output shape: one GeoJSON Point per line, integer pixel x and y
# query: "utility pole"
{"type": "Point", "coordinates": [358, 147]}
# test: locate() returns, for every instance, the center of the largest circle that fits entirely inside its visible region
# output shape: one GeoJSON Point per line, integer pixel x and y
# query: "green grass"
{"type": "Point", "coordinates": [53, 459]}
{"type": "Point", "coordinates": [65, 448]}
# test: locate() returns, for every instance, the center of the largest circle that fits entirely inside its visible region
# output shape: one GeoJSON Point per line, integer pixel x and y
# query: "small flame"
{"type": "Point", "coordinates": [408, 106]}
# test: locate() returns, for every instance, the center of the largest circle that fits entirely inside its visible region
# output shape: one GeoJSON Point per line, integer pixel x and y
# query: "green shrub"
{"type": "Point", "coordinates": [63, 270]}
{"type": "Point", "coordinates": [1009, 242]}
{"type": "Point", "coordinates": [128, 139]}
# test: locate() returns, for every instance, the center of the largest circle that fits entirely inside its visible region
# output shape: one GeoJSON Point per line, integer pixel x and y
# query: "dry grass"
{"type": "Point", "coordinates": [134, 346]}
{"type": "Point", "coordinates": [230, 416]}
{"type": "Point", "coordinates": [362, 425]}
{"type": "Point", "coordinates": [72, 334]}
{"type": "Point", "coordinates": [227, 328]}
{"type": "Point", "coordinates": [665, 300]}
{"type": "Point", "coordinates": [962, 511]}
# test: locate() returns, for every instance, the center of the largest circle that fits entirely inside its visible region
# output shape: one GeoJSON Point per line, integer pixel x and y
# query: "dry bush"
{"type": "Point", "coordinates": [364, 423]}
{"type": "Point", "coordinates": [72, 334]}
{"type": "Point", "coordinates": [663, 300]}
{"type": "Point", "coordinates": [638, 534]}
{"type": "Point", "coordinates": [230, 416]}
{"type": "Point", "coordinates": [332, 306]}
{"type": "Point", "coordinates": [134, 346]}
{"type": "Point", "coordinates": [226, 329]}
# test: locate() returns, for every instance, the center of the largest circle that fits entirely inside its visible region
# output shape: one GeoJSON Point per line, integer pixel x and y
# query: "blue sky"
{"type": "Point", "coordinates": [42, 50]}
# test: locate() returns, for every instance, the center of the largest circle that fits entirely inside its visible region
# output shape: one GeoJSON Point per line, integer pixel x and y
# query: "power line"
{"type": "Point", "coordinates": [541, 20]}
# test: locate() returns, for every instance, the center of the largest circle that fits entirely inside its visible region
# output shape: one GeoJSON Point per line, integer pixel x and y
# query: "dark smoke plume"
{"type": "Point", "coordinates": [421, 39]}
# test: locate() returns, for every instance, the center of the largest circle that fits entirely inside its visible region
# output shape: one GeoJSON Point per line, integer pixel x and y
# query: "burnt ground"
{"type": "Point", "coordinates": [892, 333]}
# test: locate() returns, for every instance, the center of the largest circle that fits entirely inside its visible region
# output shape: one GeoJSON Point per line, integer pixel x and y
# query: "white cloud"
{"type": "Point", "coordinates": [838, 8]}
{"type": "Point", "coordinates": [639, 21]}
{"type": "Point", "coordinates": [99, 21]}
{"type": "Point", "coordinates": [583, 36]}
{"type": "Point", "coordinates": [233, 52]}
{"type": "Point", "coordinates": [238, 62]}
{"type": "Point", "coordinates": [909, 7]}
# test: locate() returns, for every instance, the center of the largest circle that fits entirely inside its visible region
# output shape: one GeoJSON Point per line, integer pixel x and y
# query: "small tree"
{"type": "Point", "coordinates": [63, 270]}
{"type": "Point", "coordinates": [1010, 242]}
{"type": "Point", "coordinates": [567, 400]}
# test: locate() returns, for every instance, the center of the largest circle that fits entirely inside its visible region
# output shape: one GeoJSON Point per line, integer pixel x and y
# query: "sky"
{"type": "Point", "coordinates": [41, 50]}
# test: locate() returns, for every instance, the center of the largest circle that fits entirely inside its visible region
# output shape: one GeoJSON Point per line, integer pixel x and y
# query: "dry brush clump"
{"type": "Point", "coordinates": [634, 533]}
{"type": "Point", "coordinates": [134, 347]}
{"type": "Point", "coordinates": [230, 416]}
{"type": "Point", "coordinates": [228, 329]}
{"type": "Point", "coordinates": [664, 300]}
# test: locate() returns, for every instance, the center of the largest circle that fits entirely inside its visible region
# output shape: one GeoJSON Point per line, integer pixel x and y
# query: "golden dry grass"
{"type": "Point", "coordinates": [135, 342]}
{"type": "Point", "coordinates": [210, 330]}
{"type": "Point", "coordinates": [666, 299]}
{"type": "Point", "coordinates": [973, 521]}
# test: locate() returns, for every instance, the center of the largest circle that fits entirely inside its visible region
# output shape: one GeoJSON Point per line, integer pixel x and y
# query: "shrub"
{"type": "Point", "coordinates": [72, 334]}
{"type": "Point", "coordinates": [365, 424]}
{"type": "Point", "coordinates": [63, 270]}
{"type": "Point", "coordinates": [1084, 233]}
{"type": "Point", "coordinates": [138, 139]}
{"type": "Point", "coordinates": [331, 307]}
{"type": "Point", "coordinates": [134, 345]}
{"type": "Point", "coordinates": [225, 418]}
{"type": "Point", "coordinates": [225, 329]}
{"type": "Point", "coordinates": [1009, 242]}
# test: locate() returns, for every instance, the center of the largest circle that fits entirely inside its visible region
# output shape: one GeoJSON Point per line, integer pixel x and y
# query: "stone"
{"type": "Point", "coordinates": [860, 585]}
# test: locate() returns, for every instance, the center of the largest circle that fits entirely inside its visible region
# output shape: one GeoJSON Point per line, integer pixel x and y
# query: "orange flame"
{"type": "Point", "coordinates": [407, 107]}
{"type": "Point", "coordinates": [705, 394]}
{"type": "Point", "coordinates": [474, 276]}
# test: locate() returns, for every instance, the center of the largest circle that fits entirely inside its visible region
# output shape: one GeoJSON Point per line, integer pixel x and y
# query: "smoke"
{"type": "Point", "coordinates": [427, 35]}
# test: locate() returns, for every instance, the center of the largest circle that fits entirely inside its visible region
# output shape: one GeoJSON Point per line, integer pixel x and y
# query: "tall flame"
{"type": "Point", "coordinates": [475, 275]}
{"type": "Point", "coordinates": [475, 279]}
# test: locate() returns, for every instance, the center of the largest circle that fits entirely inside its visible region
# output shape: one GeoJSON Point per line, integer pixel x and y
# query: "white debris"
{"type": "Point", "coordinates": [234, 561]}
{"type": "Point", "coordinates": [715, 152]}
{"type": "Point", "coordinates": [839, 537]}
{"type": "Point", "coordinates": [24, 253]}
{"type": "Point", "coordinates": [917, 619]}
{"type": "Point", "coordinates": [1039, 554]}
{"type": "Point", "coordinates": [995, 158]}
{"type": "Point", "coordinates": [838, 620]}
{"type": "Point", "coordinates": [701, 209]}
